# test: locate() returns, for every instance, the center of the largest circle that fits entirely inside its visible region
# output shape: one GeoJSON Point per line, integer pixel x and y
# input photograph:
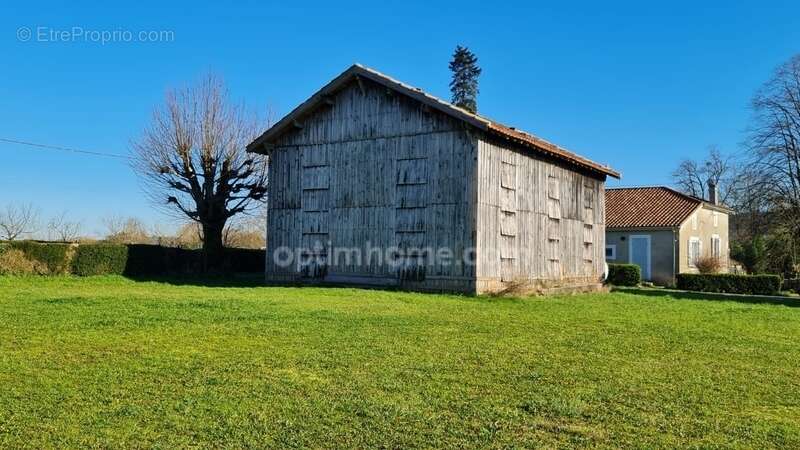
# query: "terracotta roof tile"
{"type": "Point", "coordinates": [647, 207]}
{"type": "Point", "coordinates": [546, 147]}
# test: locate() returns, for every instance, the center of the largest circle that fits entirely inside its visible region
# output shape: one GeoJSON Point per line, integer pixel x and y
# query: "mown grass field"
{"type": "Point", "coordinates": [110, 362]}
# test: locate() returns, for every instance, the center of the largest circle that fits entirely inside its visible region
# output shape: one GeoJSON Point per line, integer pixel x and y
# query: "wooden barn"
{"type": "Point", "coordinates": [374, 182]}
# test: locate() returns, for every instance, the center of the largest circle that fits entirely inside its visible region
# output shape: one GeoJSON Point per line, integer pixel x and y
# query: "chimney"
{"type": "Point", "coordinates": [713, 193]}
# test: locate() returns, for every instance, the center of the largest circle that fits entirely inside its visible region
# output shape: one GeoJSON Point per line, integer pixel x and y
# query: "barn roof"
{"type": "Point", "coordinates": [527, 140]}
{"type": "Point", "coordinates": [648, 207]}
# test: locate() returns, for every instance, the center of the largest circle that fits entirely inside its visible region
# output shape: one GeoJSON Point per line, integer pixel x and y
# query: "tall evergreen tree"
{"type": "Point", "coordinates": [464, 84]}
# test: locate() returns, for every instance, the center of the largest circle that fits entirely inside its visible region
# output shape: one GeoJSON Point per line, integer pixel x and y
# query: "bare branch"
{"type": "Point", "coordinates": [774, 148]}
{"type": "Point", "coordinates": [725, 171]}
{"type": "Point", "coordinates": [62, 229]}
{"type": "Point", "coordinates": [125, 230]}
{"type": "Point", "coordinates": [18, 220]}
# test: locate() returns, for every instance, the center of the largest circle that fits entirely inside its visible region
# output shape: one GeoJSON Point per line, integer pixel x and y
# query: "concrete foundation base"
{"type": "Point", "coordinates": [470, 286]}
{"type": "Point", "coordinates": [495, 286]}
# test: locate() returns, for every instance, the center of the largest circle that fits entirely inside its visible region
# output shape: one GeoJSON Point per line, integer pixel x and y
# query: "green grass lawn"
{"type": "Point", "coordinates": [111, 362]}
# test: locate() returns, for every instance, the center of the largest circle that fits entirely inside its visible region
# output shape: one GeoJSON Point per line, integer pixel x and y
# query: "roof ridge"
{"type": "Point", "coordinates": [648, 207]}
{"type": "Point", "coordinates": [658, 186]}
{"type": "Point", "coordinates": [482, 123]}
{"type": "Point", "coordinates": [530, 136]}
{"type": "Point", "coordinates": [643, 186]}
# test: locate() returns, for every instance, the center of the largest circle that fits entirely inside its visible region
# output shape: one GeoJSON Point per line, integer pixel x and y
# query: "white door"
{"type": "Point", "coordinates": [639, 253]}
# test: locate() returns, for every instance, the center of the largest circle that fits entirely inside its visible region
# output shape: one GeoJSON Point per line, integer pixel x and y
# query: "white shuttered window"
{"type": "Point", "coordinates": [695, 247]}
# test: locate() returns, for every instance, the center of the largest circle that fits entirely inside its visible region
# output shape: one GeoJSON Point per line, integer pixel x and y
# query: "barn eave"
{"type": "Point", "coordinates": [357, 72]}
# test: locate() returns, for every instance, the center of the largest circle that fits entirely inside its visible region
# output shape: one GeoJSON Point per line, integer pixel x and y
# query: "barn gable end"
{"type": "Point", "coordinates": [370, 171]}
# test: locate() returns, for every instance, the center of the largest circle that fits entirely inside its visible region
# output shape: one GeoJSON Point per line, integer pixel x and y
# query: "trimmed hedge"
{"type": "Point", "coordinates": [730, 283]}
{"type": "Point", "coordinates": [131, 260]}
{"type": "Point", "coordinates": [54, 256]}
{"type": "Point", "coordinates": [624, 274]}
{"type": "Point", "coordinates": [100, 259]}
{"type": "Point", "coordinates": [245, 260]}
{"type": "Point", "coordinates": [792, 284]}
{"type": "Point", "coordinates": [146, 260]}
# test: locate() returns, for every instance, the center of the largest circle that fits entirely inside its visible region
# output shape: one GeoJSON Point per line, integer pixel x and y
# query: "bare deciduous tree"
{"type": "Point", "coordinates": [774, 145]}
{"type": "Point", "coordinates": [113, 224]}
{"type": "Point", "coordinates": [18, 220]}
{"type": "Point", "coordinates": [775, 137]}
{"type": "Point", "coordinates": [691, 176]}
{"type": "Point", "coordinates": [61, 228]}
{"type": "Point", "coordinates": [190, 235]}
{"type": "Point", "coordinates": [193, 162]}
{"type": "Point", "coordinates": [247, 231]}
{"type": "Point", "coordinates": [125, 230]}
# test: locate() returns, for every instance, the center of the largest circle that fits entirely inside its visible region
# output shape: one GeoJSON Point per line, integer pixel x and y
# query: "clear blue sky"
{"type": "Point", "coordinates": [634, 85]}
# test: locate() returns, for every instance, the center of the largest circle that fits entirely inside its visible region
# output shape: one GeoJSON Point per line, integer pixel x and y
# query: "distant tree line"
{"type": "Point", "coordinates": [19, 221]}
{"type": "Point", "coordinates": [23, 220]}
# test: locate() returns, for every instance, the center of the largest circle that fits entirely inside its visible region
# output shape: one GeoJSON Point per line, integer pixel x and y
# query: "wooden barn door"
{"type": "Point", "coordinates": [508, 219]}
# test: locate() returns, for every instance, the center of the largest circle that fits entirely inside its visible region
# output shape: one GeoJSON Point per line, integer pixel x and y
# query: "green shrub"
{"type": "Point", "coordinates": [752, 254]}
{"type": "Point", "coordinates": [99, 259]}
{"type": "Point", "coordinates": [730, 283]}
{"type": "Point", "coordinates": [624, 274]}
{"type": "Point", "coordinates": [55, 257]}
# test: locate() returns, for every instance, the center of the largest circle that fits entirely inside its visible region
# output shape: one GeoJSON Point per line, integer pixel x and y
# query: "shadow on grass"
{"type": "Point", "coordinates": [248, 280]}
{"type": "Point", "coordinates": [236, 280]}
{"type": "Point", "coordinates": [245, 280]}
{"type": "Point", "coordinates": [686, 295]}
{"type": "Point", "coordinates": [253, 280]}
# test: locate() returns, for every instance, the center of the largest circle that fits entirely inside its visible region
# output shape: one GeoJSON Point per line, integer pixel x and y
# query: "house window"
{"type": "Point", "coordinates": [611, 252]}
{"type": "Point", "coordinates": [716, 246]}
{"type": "Point", "coordinates": [694, 250]}
{"type": "Point", "coordinates": [715, 218]}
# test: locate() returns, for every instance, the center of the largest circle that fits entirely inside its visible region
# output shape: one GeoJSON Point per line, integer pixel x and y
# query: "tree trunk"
{"type": "Point", "coordinates": [213, 254]}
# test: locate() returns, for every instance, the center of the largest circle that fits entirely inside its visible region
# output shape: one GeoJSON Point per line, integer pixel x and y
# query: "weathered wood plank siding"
{"type": "Point", "coordinates": [374, 187]}
{"type": "Point", "coordinates": [538, 222]}
{"type": "Point", "coordinates": [374, 170]}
